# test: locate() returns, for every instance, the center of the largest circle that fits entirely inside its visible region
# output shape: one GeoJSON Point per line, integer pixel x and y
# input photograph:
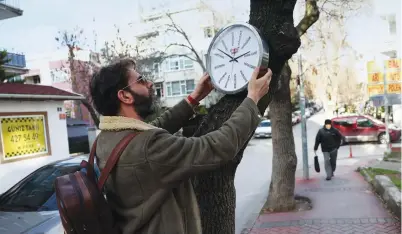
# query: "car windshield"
{"type": "Point", "coordinates": [374, 120]}
{"type": "Point", "coordinates": [34, 191]}
{"type": "Point", "coordinates": [265, 124]}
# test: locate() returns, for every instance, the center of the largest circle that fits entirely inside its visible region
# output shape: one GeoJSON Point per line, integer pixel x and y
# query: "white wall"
{"type": "Point", "coordinates": [12, 172]}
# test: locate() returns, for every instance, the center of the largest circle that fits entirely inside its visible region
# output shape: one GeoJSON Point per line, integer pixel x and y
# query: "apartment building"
{"type": "Point", "coordinates": [178, 73]}
{"type": "Point", "coordinates": [389, 46]}
{"type": "Point", "coordinates": [16, 66]}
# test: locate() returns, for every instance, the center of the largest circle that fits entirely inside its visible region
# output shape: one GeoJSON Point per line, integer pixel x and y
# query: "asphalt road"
{"type": "Point", "coordinates": [254, 172]}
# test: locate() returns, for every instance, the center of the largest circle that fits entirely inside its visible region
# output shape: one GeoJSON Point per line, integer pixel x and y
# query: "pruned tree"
{"type": "Point", "coordinates": [3, 61]}
{"type": "Point", "coordinates": [215, 189]}
{"type": "Point", "coordinates": [79, 71]}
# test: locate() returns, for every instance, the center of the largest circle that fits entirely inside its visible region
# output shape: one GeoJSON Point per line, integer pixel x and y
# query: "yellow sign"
{"type": "Point", "coordinates": [393, 64]}
{"type": "Point", "coordinates": [375, 77]}
{"type": "Point", "coordinates": [394, 76]}
{"type": "Point", "coordinates": [373, 67]}
{"type": "Point", "coordinates": [23, 136]}
{"type": "Point", "coordinates": [394, 88]}
{"type": "Point", "coordinates": [375, 89]}
{"type": "Point", "coordinates": [378, 77]}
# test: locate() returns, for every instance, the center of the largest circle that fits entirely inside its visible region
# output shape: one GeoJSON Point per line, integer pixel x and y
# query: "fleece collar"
{"type": "Point", "coordinates": [119, 123]}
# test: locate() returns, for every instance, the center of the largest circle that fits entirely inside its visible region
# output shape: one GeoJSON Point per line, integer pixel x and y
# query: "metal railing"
{"type": "Point", "coordinates": [16, 60]}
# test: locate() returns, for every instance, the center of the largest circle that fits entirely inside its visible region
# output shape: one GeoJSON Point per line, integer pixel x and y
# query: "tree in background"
{"type": "Point", "coordinates": [79, 71]}
{"type": "Point", "coordinates": [3, 61]}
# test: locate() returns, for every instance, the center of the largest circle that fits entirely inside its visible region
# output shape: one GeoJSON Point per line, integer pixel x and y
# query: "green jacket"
{"type": "Point", "coordinates": [149, 190]}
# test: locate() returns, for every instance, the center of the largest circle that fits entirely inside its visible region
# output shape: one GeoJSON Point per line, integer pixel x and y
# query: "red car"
{"type": "Point", "coordinates": [360, 128]}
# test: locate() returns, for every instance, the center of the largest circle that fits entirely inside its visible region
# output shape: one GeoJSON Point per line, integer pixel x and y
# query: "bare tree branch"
{"type": "Point", "coordinates": [311, 16]}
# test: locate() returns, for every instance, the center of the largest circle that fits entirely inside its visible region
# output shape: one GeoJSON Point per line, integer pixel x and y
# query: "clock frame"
{"type": "Point", "coordinates": [263, 58]}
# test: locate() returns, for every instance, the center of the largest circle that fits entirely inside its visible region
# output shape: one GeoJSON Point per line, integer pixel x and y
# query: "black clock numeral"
{"type": "Point", "coordinates": [234, 81]}
{"type": "Point", "coordinates": [224, 45]}
{"type": "Point", "coordinates": [242, 75]}
{"type": "Point", "coordinates": [219, 55]}
{"type": "Point", "coordinates": [249, 65]}
{"type": "Point", "coordinates": [232, 39]}
{"type": "Point", "coordinates": [223, 76]}
{"type": "Point", "coordinates": [250, 54]}
{"type": "Point", "coordinates": [246, 42]}
{"type": "Point", "coordinates": [219, 66]}
{"type": "Point", "coordinates": [241, 34]}
{"type": "Point", "coordinates": [227, 81]}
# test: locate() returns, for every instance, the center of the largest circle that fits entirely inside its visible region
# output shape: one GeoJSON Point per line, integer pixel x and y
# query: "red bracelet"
{"type": "Point", "coordinates": [193, 101]}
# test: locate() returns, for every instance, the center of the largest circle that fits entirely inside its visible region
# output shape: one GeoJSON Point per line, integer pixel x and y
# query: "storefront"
{"type": "Point", "coordinates": [33, 129]}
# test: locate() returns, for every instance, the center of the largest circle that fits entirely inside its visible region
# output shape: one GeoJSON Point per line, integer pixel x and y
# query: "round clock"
{"type": "Point", "coordinates": [234, 53]}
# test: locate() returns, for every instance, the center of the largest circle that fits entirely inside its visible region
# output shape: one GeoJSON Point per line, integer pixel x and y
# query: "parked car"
{"type": "Point", "coordinates": [307, 113]}
{"type": "Point", "coordinates": [264, 129]}
{"type": "Point", "coordinates": [362, 128]}
{"type": "Point", "coordinates": [295, 119]}
{"type": "Point", "coordinates": [77, 131]}
{"type": "Point", "coordinates": [30, 205]}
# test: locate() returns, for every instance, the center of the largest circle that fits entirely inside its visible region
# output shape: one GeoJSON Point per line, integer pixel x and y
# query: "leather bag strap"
{"type": "Point", "coordinates": [91, 160]}
{"type": "Point", "coordinates": [113, 158]}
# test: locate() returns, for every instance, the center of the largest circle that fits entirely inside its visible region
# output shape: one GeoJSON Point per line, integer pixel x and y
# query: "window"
{"type": "Point", "coordinates": [344, 122]}
{"type": "Point", "coordinates": [364, 123]}
{"type": "Point", "coordinates": [265, 124]}
{"type": "Point", "coordinates": [158, 89]}
{"type": "Point", "coordinates": [156, 69]}
{"type": "Point", "coordinates": [179, 88]}
{"type": "Point", "coordinates": [36, 189]}
{"type": "Point", "coordinates": [208, 32]}
{"type": "Point", "coordinates": [178, 63]}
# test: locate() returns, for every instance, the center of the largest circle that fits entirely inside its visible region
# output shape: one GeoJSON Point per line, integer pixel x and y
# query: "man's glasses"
{"type": "Point", "coordinates": [140, 79]}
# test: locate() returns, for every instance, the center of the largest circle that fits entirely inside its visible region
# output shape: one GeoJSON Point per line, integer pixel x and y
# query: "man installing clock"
{"type": "Point", "coordinates": [149, 190]}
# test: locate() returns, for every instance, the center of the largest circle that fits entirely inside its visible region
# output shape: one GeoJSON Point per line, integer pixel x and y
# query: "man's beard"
{"type": "Point", "coordinates": [144, 105]}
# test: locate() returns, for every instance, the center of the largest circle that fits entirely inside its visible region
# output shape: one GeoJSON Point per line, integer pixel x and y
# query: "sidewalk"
{"type": "Point", "coordinates": [343, 205]}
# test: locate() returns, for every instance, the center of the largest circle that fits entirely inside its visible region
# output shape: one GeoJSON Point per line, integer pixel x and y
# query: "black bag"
{"type": "Point", "coordinates": [316, 164]}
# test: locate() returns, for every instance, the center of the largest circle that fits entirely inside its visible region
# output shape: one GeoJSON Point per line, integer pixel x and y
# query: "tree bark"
{"type": "Point", "coordinates": [284, 161]}
{"type": "Point", "coordinates": [215, 189]}
{"type": "Point", "coordinates": [91, 111]}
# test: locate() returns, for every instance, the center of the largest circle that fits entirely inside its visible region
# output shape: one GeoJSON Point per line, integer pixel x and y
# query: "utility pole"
{"type": "Point", "coordinates": [303, 120]}
{"type": "Point", "coordinates": [386, 104]}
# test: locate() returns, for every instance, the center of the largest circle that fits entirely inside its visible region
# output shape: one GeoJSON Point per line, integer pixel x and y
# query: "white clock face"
{"type": "Point", "coordinates": [233, 56]}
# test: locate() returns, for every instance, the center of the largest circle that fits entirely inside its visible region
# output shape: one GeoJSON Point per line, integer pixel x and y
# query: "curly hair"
{"type": "Point", "coordinates": [106, 83]}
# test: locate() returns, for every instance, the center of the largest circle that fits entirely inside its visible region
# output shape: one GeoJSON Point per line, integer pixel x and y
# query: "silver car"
{"type": "Point", "coordinates": [30, 205]}
{"type": "Point", "coordinates": [264, 129]}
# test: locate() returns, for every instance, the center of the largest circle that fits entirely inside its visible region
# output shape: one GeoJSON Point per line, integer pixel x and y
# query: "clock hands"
{"type": "Point", "coordinates": [233, 59]}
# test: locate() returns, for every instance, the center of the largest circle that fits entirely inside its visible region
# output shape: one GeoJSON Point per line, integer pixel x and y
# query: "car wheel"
{"type": "Point", "coordinates": [382, 139]}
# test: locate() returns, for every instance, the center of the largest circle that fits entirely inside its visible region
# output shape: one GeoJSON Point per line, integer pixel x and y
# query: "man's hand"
{"type": "Point", "coordinates": [203, 88]}
{"type": "Point", "coordinates": [258, 87]}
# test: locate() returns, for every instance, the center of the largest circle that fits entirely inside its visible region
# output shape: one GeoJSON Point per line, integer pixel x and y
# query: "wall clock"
{"type": "Point", "coordinates": [234, 53]}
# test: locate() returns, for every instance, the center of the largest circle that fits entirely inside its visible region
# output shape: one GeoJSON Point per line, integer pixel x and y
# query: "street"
{"type": "Point", "coordinates": [254, 172]}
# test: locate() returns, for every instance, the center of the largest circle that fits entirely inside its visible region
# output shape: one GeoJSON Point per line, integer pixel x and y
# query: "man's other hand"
{"type": "Point", "coordinates": [203, 88]}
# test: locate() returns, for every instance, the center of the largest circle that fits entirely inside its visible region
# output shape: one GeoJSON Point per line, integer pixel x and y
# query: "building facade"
{"type": "Point", "coordinates": [16, 65]}
{"type": "Point", "coordinates": [165, 27]}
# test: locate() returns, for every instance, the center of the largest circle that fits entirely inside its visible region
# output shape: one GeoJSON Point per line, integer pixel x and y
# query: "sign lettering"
{"type": "Point", "coordinates": [393, 64]}
{"type": "Point", "coordinates": [394, 76]}
{"type": "Point", "coordinates": [375, 77]}
{"type": "Point", "coordinates": [394, 88]}
{"type": "Point", "coordinates": [23, 136]}
{"type": "Point", "coordinates": [375, 89]}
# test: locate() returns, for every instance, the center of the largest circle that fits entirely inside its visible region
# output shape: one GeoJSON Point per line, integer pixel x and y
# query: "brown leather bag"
{"type": "Point", "coordinates": [82, 205]}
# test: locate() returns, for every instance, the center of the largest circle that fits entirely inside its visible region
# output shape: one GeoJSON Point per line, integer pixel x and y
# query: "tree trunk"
{"type": "Point", "coordinates": [91, 111]}
{"type": "Point", "coordinates": [281, 189]}
{"type": "Point", "coordinates": [215, 189]}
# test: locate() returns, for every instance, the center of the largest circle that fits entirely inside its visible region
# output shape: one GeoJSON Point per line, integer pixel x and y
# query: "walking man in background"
{"type": "Point", "coordinates": [330, 140]}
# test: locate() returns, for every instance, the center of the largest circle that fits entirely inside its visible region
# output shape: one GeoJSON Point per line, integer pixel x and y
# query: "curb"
{"type": "Point", "coordinates": [384, 187]}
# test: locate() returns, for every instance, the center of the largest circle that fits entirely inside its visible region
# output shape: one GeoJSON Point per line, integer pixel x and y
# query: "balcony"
{"type": "Point", "coordinates": [9, 9]}
{"type": "Point", "coordinates": [16, 64]}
